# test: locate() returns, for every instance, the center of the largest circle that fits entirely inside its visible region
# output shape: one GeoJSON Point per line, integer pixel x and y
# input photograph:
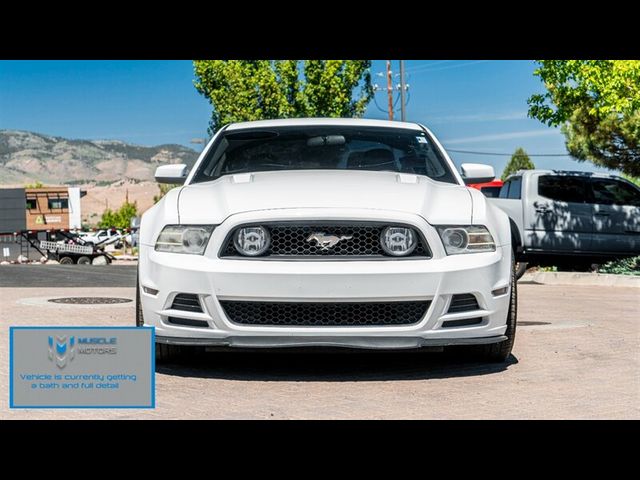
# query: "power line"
{"type": "Point", "coordinates": [426, 65]}
{"type": "Point", "coordinates": [499, 154]}
{"type": "Point", "coordinates": [379, 107]}
{"type": "Point", "coordinates": [447, 67]}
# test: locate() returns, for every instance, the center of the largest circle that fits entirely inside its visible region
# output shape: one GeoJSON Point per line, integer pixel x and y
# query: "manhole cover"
{"type": "Point", "coordinates": [89, 300]}
{"type": "Point", "coordinates": [532, 324]}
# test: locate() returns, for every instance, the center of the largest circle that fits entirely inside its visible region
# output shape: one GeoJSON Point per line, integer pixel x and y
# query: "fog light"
{"type": "Point", "coordinates": [398, 241]}
{"type": "Point", "coordinates": [500, 291]}
{"type": "Point", "coordinates": [252, 241]}
{"type": "Point", "coordinates": [150, 291]}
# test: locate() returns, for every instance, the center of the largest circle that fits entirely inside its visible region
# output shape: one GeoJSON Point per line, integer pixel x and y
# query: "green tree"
{"type": "Point", "coordinates": [519, 161]}
{"type": "Point", "coordinates": [597, 104]}
{"type": "Point", "coordinates": [242, 90]}
{"type": "Point", "coordinates": [36, 184]}
{"type": "Point", "coordinates": [164, 188]}
{"type": "Point", "coordinates": [120, 218]}
{"type": "Point", "coordinates": [634, 180]}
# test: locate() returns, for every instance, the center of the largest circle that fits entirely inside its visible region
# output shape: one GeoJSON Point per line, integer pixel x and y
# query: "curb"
{"type": "Point", "coordinates": [579, 278]}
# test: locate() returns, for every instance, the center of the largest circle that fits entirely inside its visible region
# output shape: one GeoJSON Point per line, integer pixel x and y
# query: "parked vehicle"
{"type": "Point", "coordinates": [490, 189]}
{"type": "Point", "coordinates": [571, 219]}
{"type": "Point", "coordinates": [102, 237]}
{"type": "Point", "coordinates": [326, 232]}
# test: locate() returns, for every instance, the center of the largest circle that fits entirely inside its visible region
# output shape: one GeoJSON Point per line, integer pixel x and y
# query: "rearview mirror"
{"type": "Point", "coordinates": [477, 173]}
{"type": "Point", "coordinates": [175, 174]}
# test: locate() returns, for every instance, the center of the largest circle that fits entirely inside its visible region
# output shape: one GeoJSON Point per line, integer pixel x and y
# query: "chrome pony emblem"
{"type": "Point", "coordinates": [325, 241]}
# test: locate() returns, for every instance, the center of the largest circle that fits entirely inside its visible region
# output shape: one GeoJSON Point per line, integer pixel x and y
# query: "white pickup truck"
{"type": "Point", "coordinates": [101, 236]}
{"type": "Point", "coordinates": [571, 219]}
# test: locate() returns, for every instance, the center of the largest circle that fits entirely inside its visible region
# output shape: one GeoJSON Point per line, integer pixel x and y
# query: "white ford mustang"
{"type": "Point", "coordinates": [326, 232]}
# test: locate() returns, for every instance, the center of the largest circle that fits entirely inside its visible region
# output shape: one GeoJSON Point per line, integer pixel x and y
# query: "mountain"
{"type": "Point", "coordinates": [26, 157]}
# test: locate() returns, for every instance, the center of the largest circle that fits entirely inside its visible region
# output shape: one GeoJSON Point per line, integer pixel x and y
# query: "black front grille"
{"type": "Point", "coordinates": [464, 302]}
{"type": "Point", "coordinates": [292, 240]}
{"type": "Point", "coordinates": [186, 302]}
{"type": "Point", "coordinates": [340, 314]}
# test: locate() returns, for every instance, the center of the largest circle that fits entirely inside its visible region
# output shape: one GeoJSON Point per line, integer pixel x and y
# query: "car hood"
{"type": "Point", "coordinates": [212, 202]}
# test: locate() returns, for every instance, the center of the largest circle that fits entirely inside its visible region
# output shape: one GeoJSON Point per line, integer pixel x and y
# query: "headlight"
{"type": "Point", "coordinates": [466, 239]}
{"type": "Point", "coordinates": [252, 241]}
{"type": "Point", "coordinates": [398, 241]}
{"type": "Point", "coordinates": [191, 239]}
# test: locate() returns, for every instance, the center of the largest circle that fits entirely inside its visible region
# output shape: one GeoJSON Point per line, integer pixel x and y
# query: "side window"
{"type": "Point", "coordinates": [515, 188]}
{"type": "Point", "coordinates": [614, 192]}
{"type": "Point", "coordinates": [491, 192]}
{"type": "Point", "coordinates": [504, 191]}
{"type": "Point", "coordinates": [563, 188]}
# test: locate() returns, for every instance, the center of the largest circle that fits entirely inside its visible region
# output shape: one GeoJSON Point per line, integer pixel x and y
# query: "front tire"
{"type": "Point", "coordinates": [500, 352]}
{"type": "Point", "coordinates": [164, 353]}
{"type": "Point", "coordinates": [521, 269]}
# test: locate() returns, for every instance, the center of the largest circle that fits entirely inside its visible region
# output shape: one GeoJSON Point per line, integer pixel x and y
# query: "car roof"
{"type": "Point", "coordinates": [309, 122]}
{"type": "Point", "coordinates": [566, 173]}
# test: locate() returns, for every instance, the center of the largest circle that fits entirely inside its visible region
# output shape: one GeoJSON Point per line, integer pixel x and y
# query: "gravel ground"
{"type": "Point", "coordinates": [577, 355]}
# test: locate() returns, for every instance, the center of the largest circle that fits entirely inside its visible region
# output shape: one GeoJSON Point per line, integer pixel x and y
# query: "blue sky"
{"type": "Point", "coordinates": [475, 105]}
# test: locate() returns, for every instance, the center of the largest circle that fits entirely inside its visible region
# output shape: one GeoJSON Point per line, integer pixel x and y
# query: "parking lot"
{"type": "Point", "coordinates": [577, 355]}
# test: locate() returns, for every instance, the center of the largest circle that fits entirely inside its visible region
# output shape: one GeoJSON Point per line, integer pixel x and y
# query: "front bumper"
{"type": "Point", "coordinates": [384, 343]}
{"type": "Point", "coordinates": [436, 279]}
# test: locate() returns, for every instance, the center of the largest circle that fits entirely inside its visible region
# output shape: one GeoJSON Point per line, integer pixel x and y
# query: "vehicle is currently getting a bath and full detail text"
{"type": "Point", "coordinates": [326, 233]}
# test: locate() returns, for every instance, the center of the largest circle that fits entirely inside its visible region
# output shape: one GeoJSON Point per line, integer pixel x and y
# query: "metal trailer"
{"type": "Point", "coordinates": [71, 250]}
{"type": "Point", "coordinates": [75, 250]}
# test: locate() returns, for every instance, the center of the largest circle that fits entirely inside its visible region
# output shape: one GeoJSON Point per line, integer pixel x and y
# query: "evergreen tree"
{"type": "Point", "coordinates": [519, 161]}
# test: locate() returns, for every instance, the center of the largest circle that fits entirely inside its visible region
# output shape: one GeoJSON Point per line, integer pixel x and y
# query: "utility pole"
{"type": "Point", "coordinates": [390, 89]}
{"type": "Point", "coordinates": [401, 87]}
{"type": "Point", "coordinates": [403, 111]}
{"type": "Point", "coordinates": [199, 141]}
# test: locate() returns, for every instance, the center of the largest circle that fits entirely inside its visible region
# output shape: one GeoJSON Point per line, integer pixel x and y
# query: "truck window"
{"type": "Point", "coordinates": [504, 191]}
{"type": "Point", "coordinates": [491, 192]}
{"type": "Point", "coordinates": [613, 192]}
{"type": "Point", "coordinates": [515, 188]}
{"type": "Point", "coordinates": [563, 188]}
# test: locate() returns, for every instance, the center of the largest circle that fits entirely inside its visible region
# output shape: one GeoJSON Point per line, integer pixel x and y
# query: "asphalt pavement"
{"type": "Point", "coordinates": [74, 276]}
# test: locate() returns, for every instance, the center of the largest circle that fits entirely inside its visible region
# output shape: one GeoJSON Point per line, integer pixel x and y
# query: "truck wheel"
{"type": "Point", "coordinates": [65, 261]}
{"type": "Point", "coordinates": [100, 260]}
{"type": "Point", "coordinates": [499, 352]}
{"type": "Point", "coordinates": [84, 261]}
{"type": "Point", "coordinates": [164, 353]}
{"type": "Point", "coordinates": [521, 268]}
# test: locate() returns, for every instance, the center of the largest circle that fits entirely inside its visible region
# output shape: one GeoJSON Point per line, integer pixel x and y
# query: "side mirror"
{"type": "Point", "coordinates": [477, 173]}
{"type": "Point", "coordinates": [176, 174]}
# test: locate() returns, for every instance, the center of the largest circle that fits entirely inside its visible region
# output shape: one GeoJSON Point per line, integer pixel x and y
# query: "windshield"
{"type": "Point", "coordinates": [322, 148]}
